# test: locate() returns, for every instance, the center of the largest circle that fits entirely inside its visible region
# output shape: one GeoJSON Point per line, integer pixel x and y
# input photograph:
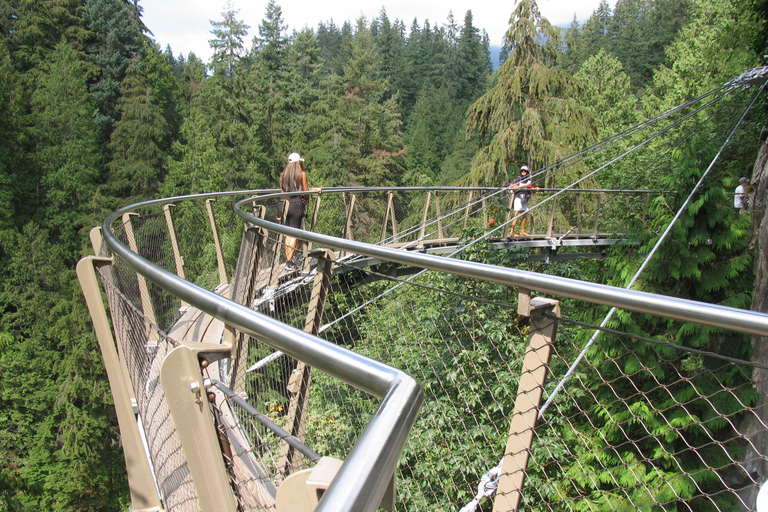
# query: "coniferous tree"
{"type": "Point", "coordinates": [65, 156]}
{"type": "Point", "coordinates": [473, 63]}
{"type": "Point", "coordinates": [219, 149]}
{"type": "Point", "coordinates": [269, 79]}
{"type": "Point", "coordinates": [361, 141]}
{"type": "Point", "coordinates": [530, 116]}
{"type": "Point", "coordinates": [116, 38]}
{"type": "Point", "coordinates": [139, 160]}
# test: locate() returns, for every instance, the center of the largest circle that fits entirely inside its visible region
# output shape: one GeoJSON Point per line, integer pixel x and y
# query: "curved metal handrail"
{"type": "Point", "coordinates": [364, 476]}
{"type": "Point", "coordinates": [714, 315]}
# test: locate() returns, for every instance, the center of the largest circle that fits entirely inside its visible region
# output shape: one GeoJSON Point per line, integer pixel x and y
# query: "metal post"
{"type": "Point", "coordinates": [485, 211]}
{"type": "Point", "coordinates": [177, 258]}
{"type": "Point", "coordinates": [174, 243]}
{"type": "Point", "coordinates": [275, 272]}
{"type": "Point", "coordinates": [348, 222]}
{"type": "Point", "coordinates": [97, 241]}
{"type": "Point", "coordinates": [187, 398]}
{"type": "Point", "coordinates": [146, 301]}
{"type": "Point", "coordinates": [141, 482]}
{"type": "Point", "coordinates": [424, 219]}
{"type": "Point", "coordinates": [530, 388]}
{"type": "Point", "coordinates": [301, 376]}
{"type": "Point", "coordinates": [552, 217]}
{"type": "Point", "coordinates": [217, 243]}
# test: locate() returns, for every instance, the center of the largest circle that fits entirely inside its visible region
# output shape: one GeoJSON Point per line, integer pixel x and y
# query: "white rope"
{"type": "Point", "coordinates": [487, 486]}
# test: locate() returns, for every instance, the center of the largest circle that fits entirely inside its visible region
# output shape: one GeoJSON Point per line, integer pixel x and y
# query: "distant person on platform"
{"type": "Point", "coordinates": [521, 186]}
{"type": "Point", "coordinates": [294, 179]}
{"type": "Point", "coordinates": [740, 195]}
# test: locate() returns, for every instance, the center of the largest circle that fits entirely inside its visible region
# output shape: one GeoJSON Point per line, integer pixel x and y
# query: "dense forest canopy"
{"type": "Point", "coordinates": [94, 115]}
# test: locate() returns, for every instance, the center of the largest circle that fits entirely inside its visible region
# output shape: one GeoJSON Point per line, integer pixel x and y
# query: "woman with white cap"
{"type": "Point", "coordinates": [294, 179]}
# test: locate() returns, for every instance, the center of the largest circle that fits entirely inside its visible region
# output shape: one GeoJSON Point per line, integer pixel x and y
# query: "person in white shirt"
{"type": "Point", "coordinates": [739, 195]}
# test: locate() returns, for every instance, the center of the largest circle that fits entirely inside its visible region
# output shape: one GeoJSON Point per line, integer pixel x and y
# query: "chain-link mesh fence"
{"type": "Point", "coordinates": [640, 426]}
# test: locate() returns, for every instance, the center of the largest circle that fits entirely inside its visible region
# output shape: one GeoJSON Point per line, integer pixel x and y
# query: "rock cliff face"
{"type": "Point", "coordinates": [755, 430]}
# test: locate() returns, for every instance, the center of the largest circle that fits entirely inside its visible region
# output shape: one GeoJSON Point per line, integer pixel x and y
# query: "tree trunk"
{"type": "Point", "coordinates": [755, 427]}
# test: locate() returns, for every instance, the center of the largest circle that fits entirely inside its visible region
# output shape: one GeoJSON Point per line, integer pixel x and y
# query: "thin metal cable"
{"type": "Point", "coordinates": [682, 348]}
{"type": "Point", "coordinates": [504, 224]}
{"type": "Point", "coordinates": [647, 260]}
{"type": "Point", "coordinates": [682, 139]}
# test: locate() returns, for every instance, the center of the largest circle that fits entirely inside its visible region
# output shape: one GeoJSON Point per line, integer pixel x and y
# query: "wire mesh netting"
{"type": "Point", "coordinates": [640, 425]}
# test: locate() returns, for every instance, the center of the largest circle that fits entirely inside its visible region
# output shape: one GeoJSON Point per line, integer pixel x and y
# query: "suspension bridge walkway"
{"type": "Point", "coordinates": [396, 368]}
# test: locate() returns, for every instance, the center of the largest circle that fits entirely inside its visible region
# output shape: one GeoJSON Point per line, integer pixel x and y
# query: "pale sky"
{"type": "Point", "coordinates": [185, 24]}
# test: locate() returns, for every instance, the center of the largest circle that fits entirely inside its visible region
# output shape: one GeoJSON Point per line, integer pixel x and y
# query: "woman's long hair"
{"type": "Point", "coordinates": [291, 177]}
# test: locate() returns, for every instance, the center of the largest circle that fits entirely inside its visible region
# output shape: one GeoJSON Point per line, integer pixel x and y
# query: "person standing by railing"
{"type": "Point", "coordinates": [740, 195]}
{"type": "Point", "coordinates": [294, 179]}
{"type": "Point", "coordinates": [521, 187]}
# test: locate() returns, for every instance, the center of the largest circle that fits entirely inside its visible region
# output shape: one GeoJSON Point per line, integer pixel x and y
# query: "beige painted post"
{"type": "Point", "coordinates": [177, 258]}
{"type": "Point", "coordinates": [469, 204]}
{"type": "Point", "coordinates": [96, 240]}
{"type": "Point", "coordinates": [307, 246]}
{"type": "Point", "coordinates": [301, 376]}
{"type": "Point", "coordinates": [174, 242]}
{"type": "Point", "coordinates": [275, 272]}
{"type": "Point", "coordinates": [146, 301]}
{"type": "Point", "coordinates": [424, 219]}
{"type": "Point", "coordinates": [141, 482]}
{"type": "Point", "coordinates": [578, 213]}
{"type": "Point", "coordinates": [187, 398]}
{"type": "Point", "coordinates": [217, 243]}
{"type": "Point", "coordinates": [348, 221]}
{"type": "Point", "coordinates": [530, 388]}
{"type": "Point", "coordinates": [386, 217]}
{"type": "Point", "coordinates": [439, 216]}
{"type": "Point", "coordinates": [552, 217]}
{"type": "Point", "coordinates": [597, 214]}
{"type": "Point", "coordinates": [509, 215]}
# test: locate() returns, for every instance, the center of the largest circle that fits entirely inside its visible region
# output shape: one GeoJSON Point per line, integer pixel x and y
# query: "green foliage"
{"type": "Point", "coordinates": [530, 115]}
{"type": "Point", "coordinates": [57, 427]}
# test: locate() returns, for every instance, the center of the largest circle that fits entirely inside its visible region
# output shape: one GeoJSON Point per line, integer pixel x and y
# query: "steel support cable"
{"type": "Point", "coordinates": [363, 478]}
{"type": "Point", "coordinates": [489, 481]}
{"type": "Point", "coordinates": [683, 139]}
{"type": "Point", "coordinates": [293, 441]}
{"type": "Point", "coordinates": [662, 343]}
{"type": "Point", "coordinates": [648, 258]}
{"type": "Point", "coordinates": [629, 131]}
{"type": "Point", "coordinates": [492, 191]}
{"type": "Point", "coordinates": [583, 153]}
{"type": "Point", "coordinates": [590, 174]}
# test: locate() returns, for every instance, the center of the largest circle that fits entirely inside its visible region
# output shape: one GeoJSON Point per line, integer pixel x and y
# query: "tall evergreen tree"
{"type": "Point", "coordinates": [473, 63]}
{"type": "Point", "coordinates": [219, 149]}
{"type": "Point", "coordinates": [530, 116]}
{"type": "Point", "coordinates": [227, 43]}
{"type": "Point", "coordinates": [361, 141]}
{"type": "Point", "coordinates": [116, 39]}
{"type": "Point", "coordinates": [268, 77]}
{"type": "Point", "coordinates": [139, 160]}
{"type": "Point", "coordinates": [65, 155]}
